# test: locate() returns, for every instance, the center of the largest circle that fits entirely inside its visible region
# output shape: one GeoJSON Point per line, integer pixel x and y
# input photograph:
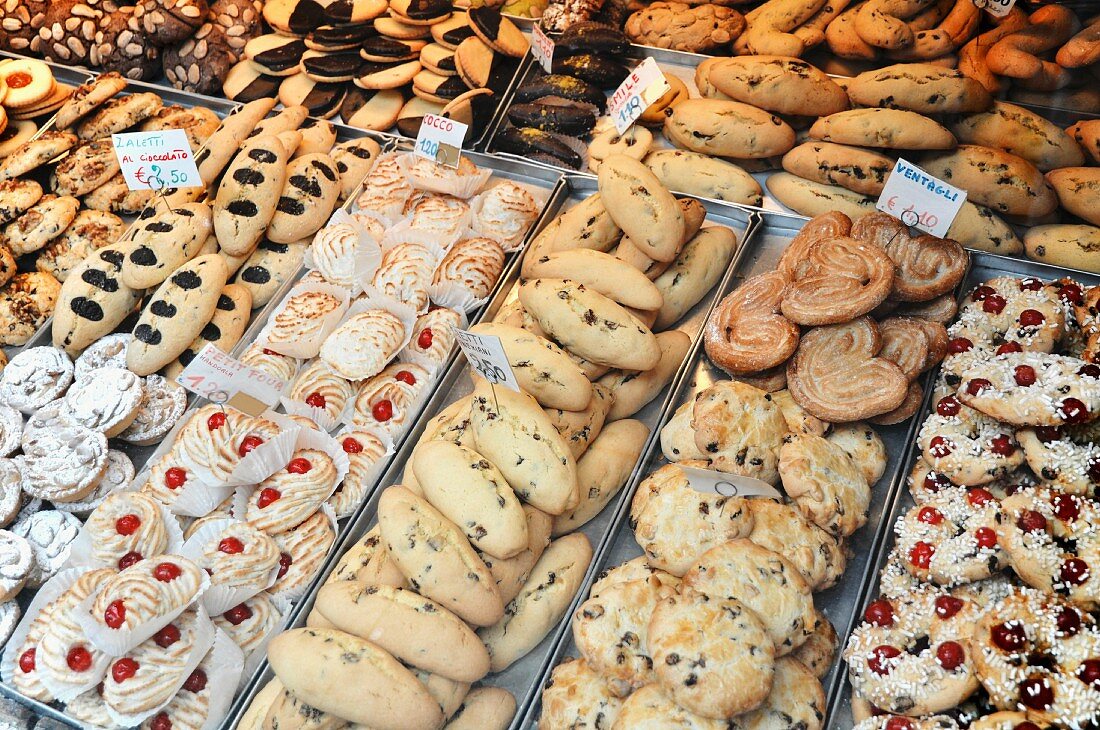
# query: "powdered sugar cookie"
{"type": "Point", "coordinates": [11, 430]}
{"type": "Point", "coordinates": [63, 464]}
{"type": "Point", "coordinates": [162, 405]}
{"type": "Point", "coordinates": [967, 446]}
{"type": "Point", "coordinates": [50, 534]}
{"type": "Point", "coordinates": [948, 540]}
{"type": "Point", "coordinates": [109, 351]}
{"type": "Point", "coordinates": [1033, 389]}
{"type": "Point", "coordinates": [16, 562]}
{"type": "Point", "coordinates": [11, 491]}
{"type": "Point", "coordinates": [9, 619]}
{"type": "Point", "coordinates": [105, 400]}
{"type": "Point", "coordinates": [35, 377]}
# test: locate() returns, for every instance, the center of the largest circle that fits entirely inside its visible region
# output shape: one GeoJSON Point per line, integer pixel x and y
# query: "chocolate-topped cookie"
{"type": "Point", "coordinates": [375, 109]}
{"type": "Point", "coordinates": [385, 50]}
{"type": "Point", "coordinates": [354, 11]}
{"type": "Point", "coordinates": [421, 12]}
{"type": "Point", "coordinates": [275, 54]}
{"type": "Point", "coordinates": [339, 37]}
{"type": "Point", "coordinates": [245, 83]}
{"type": "Point", "coordinates": [322, 100]}
{"type": "Point", "coordinates": [331, 67]}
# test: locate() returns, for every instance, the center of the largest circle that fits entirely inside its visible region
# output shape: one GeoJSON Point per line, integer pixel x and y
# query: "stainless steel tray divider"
{"type": "Point", "coordinates": [983, 266]}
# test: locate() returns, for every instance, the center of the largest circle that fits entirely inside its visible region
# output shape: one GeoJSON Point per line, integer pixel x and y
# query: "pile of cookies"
{"type": "Point", "coordinates": [30, 92]}
{"type": "Point", "coordinates": [361, 62]}
{"type": "Point", "coordinates": [850, 318]}
{"type": "Point", "coordinates": [992, 563]}
{"type": "Point", "coordinates": [498, 558]}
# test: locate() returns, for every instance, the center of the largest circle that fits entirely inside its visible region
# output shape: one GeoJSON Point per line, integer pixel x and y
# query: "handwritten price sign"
{"type": "Point", "coordinates": [542, 48]}
{"type": "Point", "coordinates": [996, 8]}
{"type": "Point", "coordinates": [919, 200]}
{"type": "Point", "coordinates": [645, 85]}
{"type": "Point", "coordinates": [156, 160]}
{"type": "Point", "coordinates": [219, 378]}
{"type": "Point", "coordinates": [440, 139]}
{"type": "Point", "coordinates": [486, 356]}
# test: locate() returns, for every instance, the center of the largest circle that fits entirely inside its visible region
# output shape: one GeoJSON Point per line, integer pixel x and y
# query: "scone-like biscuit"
{"type": "Point", "coordinates": [541, 604]}
{"type": "Point", "coordinates": [516, 435]}
{"type": "Point", "coordinates": [579, 428]}
{"type": "Point", "coordinates": [727, 129]}
{"type": "Point", "coordinates": [782, 528]}
{"type": "Point", "coordinates": [919, 87]}
{"type": "Point", "coordinates": [893, 129]}
{"type": "Point", "coordinates": [430, 550]}
{"type": "Point", "coordinates": [1065, 244]}
{"type": "Point", "coordinates": [824, 483]}
{"type": "Point", "coordinates": [577, 696]}
{"type": "Point", "coordinates": [740, 429]}
{"type": "Point", "coordinates": [180, 308]}
{"type": "Point", "coordinates": [352, 678]}
{"type": "Point", "coordinates": [590, 324]}
{"type": "Point", "coordinates": [796, 697]}
{"type": "Point", "coordinates": [164, 243]}
{"type": "Point", "coordinates": [249, 194]}
{"type": "Point", "coordinates": [93, 300]}
{"type": "Point", "coordinates": [1078, 190]}
{"type": "Point", "coordinates": [362, 345]}
{"type": "Point", "coordinates": [484, 708]}
{"type": "Point", "coordinates": [602, 273]}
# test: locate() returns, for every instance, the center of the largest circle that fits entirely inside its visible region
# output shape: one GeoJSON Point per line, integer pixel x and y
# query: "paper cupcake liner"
{"type": "Point", "coordinates": [252, 661]}
{"type": "Point", "coordinates": [80, 554]}
{"type": "Point", "coordinates": [222, 678]}
{"type": "Point", "coordinates": [309, 438]}
{"type": "Point", "coordinates": [219, 597]}
{"type": "Point", "coordinates": [368, 254]}
{"type": "Point", "coordinates": [374, 299]}
{"type": "Point", "coordinates": [204, 639]}
{"type": "Point", "coordinates": [117, 642]}
{"type": "Point", "coordinates": [292, 595]}
{"type": "Point", "coordinates": [422, 359]}
{"type": "Point", "coordinates": [267, 458]}
{"type": "Point", "coordinates": [318, 415]}
{"type": "Point", "coordinates": [50, 591]}
{"type": "Point", "coordinates": [451, 183]}
{"type": "Point", "coordinates": [309, 346]}
{"type": "Point", "coordinates": [392, 212]}
{"type": "Point", "coordinates": [404, 232]}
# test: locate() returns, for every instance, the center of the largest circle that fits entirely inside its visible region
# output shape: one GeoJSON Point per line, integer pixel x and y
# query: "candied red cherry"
{"type": "Point", "coordinates": [26, 660]}
{"type": "Point", "coordinates": [317, 400]}
{"type": "Point", "coordinates": [382, 410]}
{"type": "Point", "coordinates": [1032, 318]}
{"type": "Point", "coordinates": [161, 722]}
{"type": "Point", "coordinates": [271, 352]}
{"type": "Point", "coordinates": [299, 466]}
{"type": "Point", "coordinates": [167, 636]}
{"type": "Point", "coordinates": [959, 345]}
{"type": "Point", "coordinates": [1091, 370]}
{"type": "Point", "coordinates": [351, 446]}
{"type": "Point", "coordinates": [405, 377]}
{"type": "Point", "coordinates": [238, 614]}
{"type": "Point", "coordinates": [123, 669]}
{"type": "Point", "coordinates": [948, 406]}
{"type": "Point", "coordinates": [939, 447]}
{"type": "Point", "coordinates": [994, 304]}
{"type": "Point", "coordinates": [1030, 284]}
{"type": "Point", "coordinates": [79, 659]}
{"type": "Point", "coordinates": [1089, 673]}
{"type": "Point", "coordinates": [986, 537]}
{"type": "Point", "coordinates": [424, 339]}
{"type": "Point", "coordinates": [879, 613]}
{"type": "Point", "coordinates": [899, 723]}
{"type": "Point", "coordinates": [115, 614]}
{"type": "Point", "coordinates": [920, 555]}
{"type": "Point", "coordinates": [175, 477]}
{"type": "Point", "coordinates": [1031, 521]}
{"type": "Point", "coordinates": [982, 292]}
{"type": "Point", "coordinates": [1002, 445]}
{"type": "Point", "coordinates": [268, 496]}
{"type": "Point", "coordinates": [1024, 375]}
{"type": "Point", "coordinates": [167, 572]}
{"type": "Point", "coordinates": [231, 546]}
{"type": "Point", "coordinates": [285, 561]}
{"type": "Point", "coordinates": [216, 421]}
{"type": "Point", "coordinates": [1009, 347]}
{"type": "Point", "coordinates": [1072, 294]}
{"type": "Point", "coordinates": [1066, 507]}
{"type": "Point", "coordinates": [196, 682]}
{"type": "Point", "coordinates": [1074, 571]}
{"type": "Point", "coordinates": [979, 497]}
{"type": "Point", "coordinates": [127, 524]}
{"type": "Point", "coordinates": [1046, 434]}
{"type": "Point", "coordinates": [1074, 411]}
{"type": "Point", "coordinates": [948, 606]}
{"type": "Point", "coordinates": [248, 443]}
{"type": "Point", "coordinates": [131, 558]}
{"type": "Point", "coordinates": [930, 516]}
{"type": "Point", "coordinates": [950, 655]}
{"type": "Point", "coordinates": [879, 661]}
{"type": "Point", "coordinates": [1069, 621]}
{"type": "Point", "coordinates": [1036, 693]}
{"type": "Point", "coordinates": [934, 482]}
{"type": "Point", "coordinates": [977, 385]}
{"type": "Point", "coordinates": [1008, 637]}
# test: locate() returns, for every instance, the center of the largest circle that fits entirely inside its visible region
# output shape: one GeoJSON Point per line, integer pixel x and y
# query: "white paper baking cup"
{"type": "Point", "coordinates": [374, 299]}
{"type": "Point", "coordinates": [307, 347]}
{"type": "Point", "coordinates": [292, 595]}
{"type": "Point", "coordinates": [449, 182]}
{"type": "Point", "coordinates": [368, 253]}
{"type": "Point", "coordinates": [50, 591]}
{"type": "Point", "coordinates": [219, 597]}
{"type": "Point", "coordinates": [117, 642]}
{"type": "Point", "coordinates": [318, 415]}
{"type": "Point", "coordinates": [224, 675]}
{"type": "Point", "coordinates": [452, 295]}
{"type": "Point", "coordinates": [403, 232]}
{"type": "Point", "coordinates": [204, 639]}
{"type": "Point", "coordinates": [391, 212]}
{"type": "Point", "coordinates": [80, 555]}
{"type": "Point", "coordinates": [416, 357]}
{"type": "Point", "coordinates": [375, 470]}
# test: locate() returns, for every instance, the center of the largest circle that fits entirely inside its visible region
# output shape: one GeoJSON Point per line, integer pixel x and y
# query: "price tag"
{"type": "Point", "coordinates": [996, 8]}
{"type": "Point", "coordinates": [440, 139]}
{"type": "Point", "coordinates": [486, 356]}
{"type": "Point", "coordinates": [156, 160]}
{"type": "Point", "coordinates": [645, 85]}
{"type": "Point", "coordinates": [919, 200]}
{"type": "Point", "coordinates": [220, 378]}
{"type": "Point", "coordinates": [542, 48]}
{"type": "Point", "coordinates": [728, 485]}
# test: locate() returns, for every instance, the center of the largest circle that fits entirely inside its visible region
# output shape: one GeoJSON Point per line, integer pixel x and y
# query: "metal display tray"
{"type": "Point", "coordinates": [983, 266]}
{"type": "Point", "coordinates": [523, 678]}
{"type": "Point", "coordinates": [839, 603]}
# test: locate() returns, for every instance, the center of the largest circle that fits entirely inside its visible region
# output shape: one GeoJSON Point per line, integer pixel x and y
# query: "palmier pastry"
{"type": "Point", "coordinates": [126, 528]}
{"type": "Point", "coordinates": [69, 663]}
{"type": "Point", "coordinates": [249, 622]}
{"type": "Point", "coordinates": [404, 274]}
{"type": "Point", "coordinates": [293, 493]}
{"type": "Point", "coordinates": [301, 318]}
{"type": "Point", "coordinates": [364, 450]}
{"type": "Point", "coordinates": [322, 387]}
{"type": "Point", "coordinates": [746, 333]}
{"type": "Point", "coordinates": [836, 376]}
{"type": "Point", "coordinates": [302, 551]}
{"type": "Point", "coordinates": [925, 266]}
{"type": "Point", "coordinates": [819, 228]}
{"type": "Point", "coordinates": [363, 344]}
{"type": "Point", "coordinates": [240, 556]}
{"type": "Point", "coordinates": [146, 592]}
{"type": "Point", "coordinates": [475, 264]}
{"type": "Point", "coordinates": [384, 401]}
{"type": "Point", "coordinates": [914, 344]}
{"type": "Point", "coordinates": [839, 279]}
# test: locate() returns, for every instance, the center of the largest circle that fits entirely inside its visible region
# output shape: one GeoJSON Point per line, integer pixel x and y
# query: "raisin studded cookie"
{"type": "Point", "coordinates": [576, 696]}
{"type": "Point", "coordinates": [862, 444]}
{"type": "Point", "coordinates": [41, 224]}
{"type": "Point", "coordinates": [1033, 389]}
{"type": "Point", "coordinates": [89, 231]}
{"type": "Point", "coordinates": [825, 483]}
{"type": "Point", "coordinates": [739, 428]}
{"type": "Point", "coordinates": [119, 114]}
{"type": "Point", "coordinates": [948, 540]}
{"type": "Point", "coordinates": [966, 446]}
{"type": "Point", "coordinates": [797, 699]}
{"type": "Point", "coordinates": [783, 529]}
